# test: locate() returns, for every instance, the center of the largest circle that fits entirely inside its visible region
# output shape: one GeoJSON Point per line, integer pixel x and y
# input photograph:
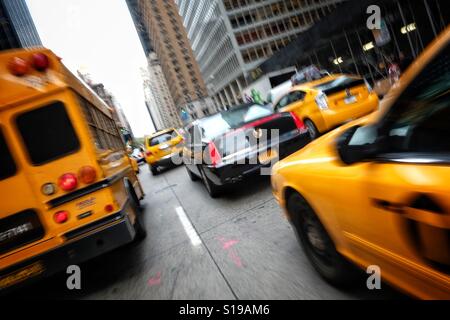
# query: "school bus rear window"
{"type": "Point", "coordinates": [7, 165]}
{"type": "Point", "coordinates": [48, 133]}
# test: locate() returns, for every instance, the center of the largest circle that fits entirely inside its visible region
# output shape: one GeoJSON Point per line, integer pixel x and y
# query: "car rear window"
{"type": "Point", "coordinates": [339, 84]}
{"type": "Point", "coordinates": [220, 123]}
{"type": "Point", "coordinates": [7, 165]}
{"type": "Point", "coordinates": [48, 133]}
{"type": "Point", "coordinates": [163, 138]}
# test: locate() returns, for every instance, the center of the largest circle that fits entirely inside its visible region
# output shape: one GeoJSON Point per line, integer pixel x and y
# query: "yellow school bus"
{"type": "Point", "coordinates": [68, 191]}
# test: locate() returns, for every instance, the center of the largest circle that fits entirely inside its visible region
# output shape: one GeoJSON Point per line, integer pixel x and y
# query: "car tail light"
{"type": "Point", "coordinates": [87, 174]}
{"type": "Point", "coordinates": [298, 122]}
{"type": "Point", "coordinates": [61, 217]}
{"type": "Point", "coordinates": [149, 153]}
{"type": "Point", "coordinates": [109, 208]}
{"type": "Point", "coordinates": [18, 66]}
{"type": "Point", "coordinates": [322, 101]}
{"type": "Point", "coordinates": [40, 61]}
{"type": "Point", "coordinates": [214, 154]}
{"type": "Point", "coordinates": [68, 182]}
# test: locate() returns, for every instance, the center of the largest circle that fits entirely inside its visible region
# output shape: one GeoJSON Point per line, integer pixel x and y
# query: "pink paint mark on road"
{"type": "Point", "coordinates": [155, 281]}
{"type": "Point", "coordinates": [232, 254]}
{"type": "Point", "coordinates": [228, 244]}
{"type": "Point", "coordinates": [235, 258]}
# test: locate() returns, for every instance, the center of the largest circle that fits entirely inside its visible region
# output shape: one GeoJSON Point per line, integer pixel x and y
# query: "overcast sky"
{"type": "Point", "coordinates": [98, 37]}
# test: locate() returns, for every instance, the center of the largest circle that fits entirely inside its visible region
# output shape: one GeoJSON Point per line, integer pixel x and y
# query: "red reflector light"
{"type": "Point", "coordinates": [148, 153]}
{"type": "Point", "coordinates": [40, 61]}
{"type": "Point", "coordinates": [214, 154]}
{"type": "Point", "coordinates": [18, 66]}
{"type": "Point", "coordinates": [61, 217]}
{"type": "Point", "coordinates": [298, 122]}
{"type": "Point", "coordinates": [109, 208]}
{"type": "Point", "coordinates": [87, 174]}
{"type": "Point", "coordinates": [68, 182]}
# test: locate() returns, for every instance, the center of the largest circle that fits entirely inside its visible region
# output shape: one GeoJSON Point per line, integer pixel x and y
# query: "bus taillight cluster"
{"type": "Point", "coordinates": [69, 181]}
{"type": "Point", "coordinates": [19, 66]}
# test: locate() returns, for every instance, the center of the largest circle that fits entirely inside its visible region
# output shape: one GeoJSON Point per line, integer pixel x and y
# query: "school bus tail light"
{"type": "Point", "coordinates": [40, 61]}
{"type": "Point", "coordinates": [18, 66]}
{"type": "Point", "coordinates": [87, 174]}
{"type": "Point", "coordinates": [68, 182]}
{"type": "Point", "coordinates": [61, 217]}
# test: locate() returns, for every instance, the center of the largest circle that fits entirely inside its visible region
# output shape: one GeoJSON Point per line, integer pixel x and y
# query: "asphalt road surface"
{"type": "Point", "coordinates": [236, 247]}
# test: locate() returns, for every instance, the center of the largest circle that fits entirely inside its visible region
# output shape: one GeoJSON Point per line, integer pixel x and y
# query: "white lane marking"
{"type": "Point", "coordinates": [188, 227]}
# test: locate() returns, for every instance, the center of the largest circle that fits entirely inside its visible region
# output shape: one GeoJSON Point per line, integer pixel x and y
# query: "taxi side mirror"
{"type": "Point", "coordinates": [357, 144]}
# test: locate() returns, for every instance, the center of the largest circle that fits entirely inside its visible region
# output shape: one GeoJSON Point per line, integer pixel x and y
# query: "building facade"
{"type": "Point", "coordinates": [342, 43]}
{"type": "Point", "coordinates": [161, 30]}
{"type": "Point", "coordinates": [17, 29]}
{"type": "Point", "coordinates": [118, 115]}
{"type": "Point", "coordinates": [157, 96]}
{"type": "Point", "coordinates": [230, 38]}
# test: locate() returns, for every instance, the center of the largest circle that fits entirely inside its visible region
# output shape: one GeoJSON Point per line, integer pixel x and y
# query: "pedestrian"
{"type": "Point", "coordinates": [394, 72]}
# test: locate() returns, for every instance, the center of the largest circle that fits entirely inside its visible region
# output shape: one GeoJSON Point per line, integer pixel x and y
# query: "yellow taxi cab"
{"type": "Point", "coordinates": [329, 102]}
{"type": "Point", "coordinates": [376, 192]}
{"type": "Point", "coordinates": [163, 149]}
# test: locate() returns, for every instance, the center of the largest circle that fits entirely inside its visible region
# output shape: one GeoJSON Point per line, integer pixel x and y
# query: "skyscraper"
{"type": "Point", "coordinates": [161, 30]}
{"type": "Point", "coordinates": [17, 29]}
{"type": "Point", "coordinates": [230, 38]}
{"type": "Point", "coordinates": [157, 96]}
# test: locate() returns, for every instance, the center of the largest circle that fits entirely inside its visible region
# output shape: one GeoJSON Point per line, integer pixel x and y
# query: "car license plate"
{"type": "Point", "coordinates": [350, 100]}
{"type": "Point", "coordinates": [268, 156]}
{"type": "Point", "coordinates": [21, 275]}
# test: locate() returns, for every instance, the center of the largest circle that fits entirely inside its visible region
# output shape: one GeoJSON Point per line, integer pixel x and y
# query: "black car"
{"type": "Point", "coordinates": [224, 148]}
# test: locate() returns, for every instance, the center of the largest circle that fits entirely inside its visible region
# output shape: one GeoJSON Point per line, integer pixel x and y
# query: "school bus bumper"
{"type": "Point", "coordinates": [82, 244]}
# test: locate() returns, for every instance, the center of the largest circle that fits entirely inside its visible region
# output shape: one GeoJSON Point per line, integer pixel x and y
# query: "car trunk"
{"type": "Point", "coordinates": [344, 90]}
{"type": "Point", "coordinates": [163, 145]}
{"type": "Point", "coordinates": [256, 134]}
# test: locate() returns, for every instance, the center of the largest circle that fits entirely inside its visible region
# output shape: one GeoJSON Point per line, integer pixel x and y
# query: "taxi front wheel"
{"type": "Point", "coordinates": [318, 245]}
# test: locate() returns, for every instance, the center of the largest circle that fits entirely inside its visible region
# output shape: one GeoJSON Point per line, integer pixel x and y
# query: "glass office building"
{"type": "Point", "coordinates": [342, 42]}
{"type": "Point", "coordinates": [230, 38]}
{"type": "Point", "coordinates": [17, 29]}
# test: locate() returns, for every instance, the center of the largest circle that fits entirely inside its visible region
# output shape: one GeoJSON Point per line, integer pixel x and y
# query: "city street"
{"type": "Point", "coordinates": [334, 111]}
{"type": "Point", "coordinates": [235, 247]}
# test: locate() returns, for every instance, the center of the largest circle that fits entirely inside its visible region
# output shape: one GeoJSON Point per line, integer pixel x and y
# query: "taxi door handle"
{"type": "Point", "coordinates": [389, 206]}
{"type": "Point", "coordinates": [422, 203]}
